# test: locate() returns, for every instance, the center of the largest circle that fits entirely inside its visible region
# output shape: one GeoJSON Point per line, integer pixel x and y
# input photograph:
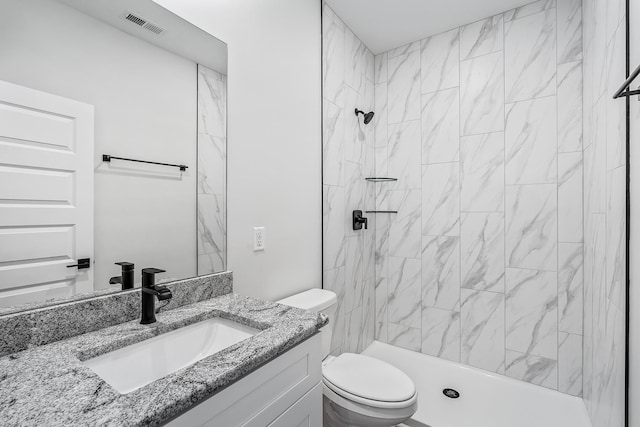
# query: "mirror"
{"type": "Point", "coordinates": [84, 86]}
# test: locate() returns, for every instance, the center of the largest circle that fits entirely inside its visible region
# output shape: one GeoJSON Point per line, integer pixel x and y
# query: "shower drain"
{"type": "Point", "coordinates": [451, 393]}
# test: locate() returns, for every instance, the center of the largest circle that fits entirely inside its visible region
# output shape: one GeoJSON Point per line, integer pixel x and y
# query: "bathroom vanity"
{"type": "Point", "coordinates": [270, 377]}
{"type": "Point", "coordinates": [285, 392]}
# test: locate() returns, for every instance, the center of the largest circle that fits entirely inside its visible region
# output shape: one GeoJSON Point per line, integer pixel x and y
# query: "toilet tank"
{"type": "Point", "coordinates": [320, 300]}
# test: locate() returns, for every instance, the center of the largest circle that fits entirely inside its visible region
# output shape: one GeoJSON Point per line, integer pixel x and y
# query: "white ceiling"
{"type": "Point", "coordinates": [181, 37]}
{"type": "Point", "coordinates": [387, 24]}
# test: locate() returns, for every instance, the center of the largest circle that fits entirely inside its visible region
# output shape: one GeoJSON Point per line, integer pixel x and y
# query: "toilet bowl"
{"type": "Point", "coordinates": [358, 390]}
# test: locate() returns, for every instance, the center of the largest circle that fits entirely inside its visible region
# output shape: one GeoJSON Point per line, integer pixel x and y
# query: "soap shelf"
{"type": "Point", "coordinates": [381, 179]}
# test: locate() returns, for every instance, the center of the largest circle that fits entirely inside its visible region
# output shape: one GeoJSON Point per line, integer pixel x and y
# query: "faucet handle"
{"type": "Point", "coordinates": [126, 266]}
{"type": "Point", "coordinates": [163, 293]}
{"type": "Point", "coordinates": [152, 271]}
{"type": "Point", "coordinates": [358, 220]}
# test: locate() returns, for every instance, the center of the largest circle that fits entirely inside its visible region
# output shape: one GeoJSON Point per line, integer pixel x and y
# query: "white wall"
{"type": "Point", "coordinates": [145, 107]}
{"type": "Point", "coordinates": [274, 145]}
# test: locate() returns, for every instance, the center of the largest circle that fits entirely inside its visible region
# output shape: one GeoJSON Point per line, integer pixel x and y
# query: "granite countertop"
{"type": "Point", "coordinates": [49, 385]}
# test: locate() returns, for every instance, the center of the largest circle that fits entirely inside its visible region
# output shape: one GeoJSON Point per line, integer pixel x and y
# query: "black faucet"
{"type": "Point", "coordinates": [126, 279]}
{"type": "Point", "coordinates": [149, 292]}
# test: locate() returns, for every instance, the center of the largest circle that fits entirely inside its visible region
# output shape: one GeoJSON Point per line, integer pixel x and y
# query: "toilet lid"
{"type": "Point", "coordinates": [369, 378]}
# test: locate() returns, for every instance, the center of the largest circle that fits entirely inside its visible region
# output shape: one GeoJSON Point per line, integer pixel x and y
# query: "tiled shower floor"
{"type": "Point", "coordinates": [486, 399]}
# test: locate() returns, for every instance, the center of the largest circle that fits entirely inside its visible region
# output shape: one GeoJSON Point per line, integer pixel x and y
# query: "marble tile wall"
{"type": "Point", "coordinates": [483, 263]}
{"type": "Point", "coordinates": [604, 212]}
{"type": "Point", "coordinates": [212, 173]}
{"type": "Point", "coordinates": [348, 158]}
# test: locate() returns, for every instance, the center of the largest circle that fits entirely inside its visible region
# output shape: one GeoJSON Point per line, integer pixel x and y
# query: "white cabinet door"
{"type": "Point", "coordinates": [264, 395]}
{"type": "Point", "coordinates": [46, 195]}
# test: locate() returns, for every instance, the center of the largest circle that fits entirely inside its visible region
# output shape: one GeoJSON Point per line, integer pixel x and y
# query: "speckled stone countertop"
{"type": "Point", "coordinates": [45, 324]}
{"type": "Point", "coordinates": [49, 385]}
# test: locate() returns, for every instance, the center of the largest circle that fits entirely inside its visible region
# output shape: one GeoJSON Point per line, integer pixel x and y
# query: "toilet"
{"type": "Point", "coordinates": [358, 390]}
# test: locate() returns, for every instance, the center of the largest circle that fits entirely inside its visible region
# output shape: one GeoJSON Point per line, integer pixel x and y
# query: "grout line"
{"type": "Point", "coordinates": [504, 224]}
{"type": "Point", "coordinates": [488, 290]}
{"type": "Point", "coordinates": [460, 157]}
{"type": "Point", "coordinates": [442, 89]}
{"type": "Point", "coordinates": [402, 121]}
{"type": "Point", "coordinates": [557, 214]}
{"type": "Point", "coordinates": [537, 183]}
{"type": "Point", "coordinates": [440, 163]}
{"type": "Point", "coordinates": [467, 212]}
{"type": "Point", "coordinates": [421, 203]}
{"type": "Point", "coordinates": [585, 211]}
{"type": "Point", "coordinates": [518, 101]}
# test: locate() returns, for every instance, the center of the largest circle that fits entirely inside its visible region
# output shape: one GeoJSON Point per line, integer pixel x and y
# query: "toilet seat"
{"type": "Point", "coordinates": [367, 381]}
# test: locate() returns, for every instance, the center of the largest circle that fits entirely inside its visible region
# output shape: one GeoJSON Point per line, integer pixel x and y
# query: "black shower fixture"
{"type": "Point", "coordinates": [367, 116]}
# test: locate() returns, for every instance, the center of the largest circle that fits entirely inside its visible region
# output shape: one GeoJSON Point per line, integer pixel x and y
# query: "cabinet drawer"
{"type": "Point", "coordinates": [306, 412]}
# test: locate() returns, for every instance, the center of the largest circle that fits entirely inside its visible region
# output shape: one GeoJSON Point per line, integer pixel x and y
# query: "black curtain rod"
{"type": "Point", "coordinates": [108, 157]}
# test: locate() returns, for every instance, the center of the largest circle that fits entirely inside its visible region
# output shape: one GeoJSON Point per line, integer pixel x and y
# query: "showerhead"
{"type": "Point", "coordinates": [367, 116]}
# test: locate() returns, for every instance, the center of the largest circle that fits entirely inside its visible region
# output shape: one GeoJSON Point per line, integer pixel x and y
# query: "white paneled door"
{"type": "Point", "coordinates": [46, 195]}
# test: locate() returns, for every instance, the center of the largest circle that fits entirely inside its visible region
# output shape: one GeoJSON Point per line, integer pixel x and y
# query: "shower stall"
{"type": "Point", "coordinates": [493, 180]}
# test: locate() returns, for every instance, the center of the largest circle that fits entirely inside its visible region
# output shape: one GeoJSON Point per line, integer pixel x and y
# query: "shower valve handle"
{"type": "Point", "coordinates": [358, 220]}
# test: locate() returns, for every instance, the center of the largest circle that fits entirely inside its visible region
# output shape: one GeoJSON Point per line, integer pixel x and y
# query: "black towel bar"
{"type": "Point", "coordinates": [108, 158]}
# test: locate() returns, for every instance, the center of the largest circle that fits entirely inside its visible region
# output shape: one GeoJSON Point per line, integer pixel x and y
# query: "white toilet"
{"type": "Point", "coordinates": [358, 390]}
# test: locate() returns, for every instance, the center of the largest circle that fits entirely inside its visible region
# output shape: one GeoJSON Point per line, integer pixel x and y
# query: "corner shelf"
{"type": "Point", "coordinates": [381, 179]}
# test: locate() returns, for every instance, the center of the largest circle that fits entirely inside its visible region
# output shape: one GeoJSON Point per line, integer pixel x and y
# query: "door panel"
{"type": "Point", "coordinates": [24, 122]}
{"type": "Point", "coordinates": [46, 195]}
{"type": "Point", "coordinates": [34, 243]}
{"type": "Point", "coordinates": [36, 184]}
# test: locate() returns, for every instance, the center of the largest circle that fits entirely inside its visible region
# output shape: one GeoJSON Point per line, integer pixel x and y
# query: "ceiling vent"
{"type": "Point", "coordinates": [141, 22]}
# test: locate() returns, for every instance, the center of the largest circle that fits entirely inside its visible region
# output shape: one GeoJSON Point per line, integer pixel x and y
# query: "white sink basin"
{"type": "Point", "coordinates": [139, 364]}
